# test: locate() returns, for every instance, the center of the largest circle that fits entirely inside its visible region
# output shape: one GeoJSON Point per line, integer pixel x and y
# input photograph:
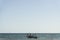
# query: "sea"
{"type": "Point", "coordinates": [23, 36]}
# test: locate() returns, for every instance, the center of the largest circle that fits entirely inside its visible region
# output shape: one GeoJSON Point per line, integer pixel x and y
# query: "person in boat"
{"type": "Point", "coordinates": [31, 36]}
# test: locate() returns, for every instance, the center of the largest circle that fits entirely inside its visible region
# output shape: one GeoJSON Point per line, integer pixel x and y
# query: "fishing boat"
{"type": "Point", "coordinates": [31, 36]}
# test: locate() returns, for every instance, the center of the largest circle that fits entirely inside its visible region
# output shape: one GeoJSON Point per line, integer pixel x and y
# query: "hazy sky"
{"type": "Point", "coordinates": [21, 16]}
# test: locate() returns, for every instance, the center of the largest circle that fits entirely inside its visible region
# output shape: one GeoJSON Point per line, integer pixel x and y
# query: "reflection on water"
{"type": "Point", "coordinates": [22, 36]}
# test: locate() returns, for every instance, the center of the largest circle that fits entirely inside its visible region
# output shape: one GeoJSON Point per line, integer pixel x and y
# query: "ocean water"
{"type": "Point", "coordinates": [22, 36]}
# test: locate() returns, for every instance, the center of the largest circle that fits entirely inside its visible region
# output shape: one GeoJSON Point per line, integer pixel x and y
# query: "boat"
{"type": "Point", "coordinates": [31, 36]}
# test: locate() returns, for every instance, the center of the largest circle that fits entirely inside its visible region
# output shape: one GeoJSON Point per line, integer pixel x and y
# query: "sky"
{"type": "Point", "coordinates": [29, 16]}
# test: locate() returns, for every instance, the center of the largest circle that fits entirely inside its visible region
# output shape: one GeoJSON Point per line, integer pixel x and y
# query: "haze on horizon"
{"type": "Point", "coordinates": [24, 16]}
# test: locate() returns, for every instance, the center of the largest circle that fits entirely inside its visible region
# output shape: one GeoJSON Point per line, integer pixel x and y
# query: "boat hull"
{"type": "Point", "coordinates": [31, 37]}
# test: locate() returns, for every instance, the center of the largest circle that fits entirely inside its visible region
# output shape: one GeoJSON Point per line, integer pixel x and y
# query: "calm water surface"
{"type": "Point", "coordinates": [22, 36]}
